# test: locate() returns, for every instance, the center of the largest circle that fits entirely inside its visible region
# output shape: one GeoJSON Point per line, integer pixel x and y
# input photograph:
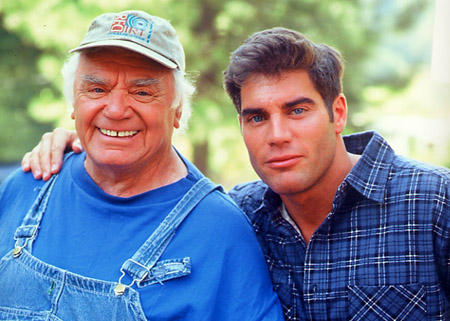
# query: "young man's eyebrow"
{"type": "Point", "coordinates": [287, 105]}
{"type": "Point", "coordinates": [299, 101]}
{"type": "Point", "coordinates": [253, 111]}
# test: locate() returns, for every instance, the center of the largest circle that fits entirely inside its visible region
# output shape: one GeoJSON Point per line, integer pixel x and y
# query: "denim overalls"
{"type": "Point", "coordinates": [34, 290]}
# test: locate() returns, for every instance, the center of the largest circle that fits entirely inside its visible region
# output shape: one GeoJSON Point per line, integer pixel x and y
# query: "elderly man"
{"type": "Point", "coordinates": [130, 229]}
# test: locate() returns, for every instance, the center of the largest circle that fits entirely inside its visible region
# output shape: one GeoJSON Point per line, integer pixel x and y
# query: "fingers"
{"type": "Point", "coordinates": [31, 162]}
{"type": "Point", "coordinates": [46, 158]}
{"type": "Point", "coordinates": [63, 140]}
{"type": "Point", "coordinates": [45, 155]}
{"type": "Point", "coordinates": [26, 160]}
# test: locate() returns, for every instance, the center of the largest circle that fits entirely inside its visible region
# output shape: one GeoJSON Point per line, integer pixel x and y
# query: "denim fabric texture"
{"type": "Point", "coordinates": [34, 290]}
{"type": "Point", "coordinates": [382, 253]}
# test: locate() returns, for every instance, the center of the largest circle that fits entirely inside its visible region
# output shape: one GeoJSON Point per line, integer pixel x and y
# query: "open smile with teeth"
{"type": "Point", "coordinates": [115, 133]}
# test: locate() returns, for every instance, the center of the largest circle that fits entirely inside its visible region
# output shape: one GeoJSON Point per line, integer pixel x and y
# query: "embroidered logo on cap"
{"type": "Point", "coordinates": [132, 26]}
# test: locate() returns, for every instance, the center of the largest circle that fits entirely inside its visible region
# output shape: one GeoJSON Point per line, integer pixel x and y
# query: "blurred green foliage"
{"type": "Point", "coordinates": [36, 36]}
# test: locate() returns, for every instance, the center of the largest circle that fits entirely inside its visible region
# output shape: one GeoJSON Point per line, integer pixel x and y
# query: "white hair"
{"type": "Point", "coordinates": [183, 87]}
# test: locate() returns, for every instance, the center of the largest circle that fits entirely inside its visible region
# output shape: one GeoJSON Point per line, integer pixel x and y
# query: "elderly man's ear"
{"type": "Point", "coordinates": [176, 122]}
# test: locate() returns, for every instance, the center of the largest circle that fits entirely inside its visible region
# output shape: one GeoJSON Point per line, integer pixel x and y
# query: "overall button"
{"type": "Point", "coordinates": [17, 252]}
{"type": "Point", "coordinates": [120, 289]}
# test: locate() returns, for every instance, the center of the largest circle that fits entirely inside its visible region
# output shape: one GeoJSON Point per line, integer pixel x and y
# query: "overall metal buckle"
{"type": "Point", "coordinates": [120, 287]}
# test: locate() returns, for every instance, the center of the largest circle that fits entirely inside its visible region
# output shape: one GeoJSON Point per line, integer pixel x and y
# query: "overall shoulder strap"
{"type": "Point", "coordinates": [27, 231]}
{"type": "Point", "coordinates": [149, 253]}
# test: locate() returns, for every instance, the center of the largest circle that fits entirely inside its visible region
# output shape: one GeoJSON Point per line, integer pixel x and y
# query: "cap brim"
{"type": "Point", "coordinates": [131, 46]}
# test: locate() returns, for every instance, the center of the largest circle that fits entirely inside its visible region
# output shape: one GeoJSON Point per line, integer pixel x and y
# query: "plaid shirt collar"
{"type": "Point", "coordinates": [368, 176]}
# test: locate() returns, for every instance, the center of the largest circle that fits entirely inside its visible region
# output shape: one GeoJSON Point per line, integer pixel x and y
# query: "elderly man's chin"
{"type": "Point", "coordinates": [102, 154]}
{"type": "Point", "coordinates": [111, 157]}
{"type": "Point", "coordinates": [105, 151]}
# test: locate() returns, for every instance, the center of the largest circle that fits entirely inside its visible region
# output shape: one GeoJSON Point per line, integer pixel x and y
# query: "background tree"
{"type": "Point", "coordinates": [21, 82]}
{"type": "Point", "coordinates": [36, 36]}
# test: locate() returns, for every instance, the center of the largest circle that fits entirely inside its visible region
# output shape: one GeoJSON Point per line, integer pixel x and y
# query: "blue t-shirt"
{"type": "Point", "coordinates": [91, 233]}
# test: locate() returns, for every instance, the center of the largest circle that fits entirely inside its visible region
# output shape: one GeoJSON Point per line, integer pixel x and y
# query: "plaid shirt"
{"type": "Point", "coordinates": [383, 253]}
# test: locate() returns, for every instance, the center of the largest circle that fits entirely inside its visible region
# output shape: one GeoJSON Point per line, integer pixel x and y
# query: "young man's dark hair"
{"type": "Point", "coordinates": [273, 51]}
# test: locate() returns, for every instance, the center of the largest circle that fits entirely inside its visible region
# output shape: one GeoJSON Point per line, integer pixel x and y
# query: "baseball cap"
{"type": "Point", "coordinates": [138, 31]}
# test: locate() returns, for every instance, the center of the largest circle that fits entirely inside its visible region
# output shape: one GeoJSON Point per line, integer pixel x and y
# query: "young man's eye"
{"type": "Point", "coordinates": [256, 119]}
{"type": "Point", "coordinates": [298, 111]}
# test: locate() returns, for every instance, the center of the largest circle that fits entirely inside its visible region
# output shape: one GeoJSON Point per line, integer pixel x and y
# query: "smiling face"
{"type": "Point", "coordinates": [122, 109]}
{"type": "Point", "coordinates": [287, 130]}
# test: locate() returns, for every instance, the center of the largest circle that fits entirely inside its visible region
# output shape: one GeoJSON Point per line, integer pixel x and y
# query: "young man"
{"type": "Point", "coordinates": [349, 229]}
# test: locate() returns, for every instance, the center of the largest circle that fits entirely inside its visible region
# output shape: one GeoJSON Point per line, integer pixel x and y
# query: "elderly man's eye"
{"type": "Point", "coordinates": [97, 90]}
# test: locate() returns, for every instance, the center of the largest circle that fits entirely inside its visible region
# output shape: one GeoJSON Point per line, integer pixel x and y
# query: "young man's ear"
{"type": "Point", "coordinates": [340, 113]}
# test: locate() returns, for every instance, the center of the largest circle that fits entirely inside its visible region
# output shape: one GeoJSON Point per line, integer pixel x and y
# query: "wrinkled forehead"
{"type": "Point", "coordinates": [121, 56]}
{"type": "Point", "coordinates": [109, 67]}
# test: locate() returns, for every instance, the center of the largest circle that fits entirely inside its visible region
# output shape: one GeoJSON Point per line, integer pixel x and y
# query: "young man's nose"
{"type": "Point", "coordinates": [279, 131]}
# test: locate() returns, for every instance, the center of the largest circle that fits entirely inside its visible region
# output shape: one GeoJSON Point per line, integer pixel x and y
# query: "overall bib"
{"type": "Point", "coordinates": [34, 290]}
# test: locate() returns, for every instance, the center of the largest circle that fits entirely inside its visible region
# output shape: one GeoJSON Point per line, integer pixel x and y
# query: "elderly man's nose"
{"type": "Point", "coordinates": [117, 107]}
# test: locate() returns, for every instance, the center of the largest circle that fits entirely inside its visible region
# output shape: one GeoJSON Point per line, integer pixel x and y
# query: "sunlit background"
{"type": "Point", "coordinates": [397, 78]}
